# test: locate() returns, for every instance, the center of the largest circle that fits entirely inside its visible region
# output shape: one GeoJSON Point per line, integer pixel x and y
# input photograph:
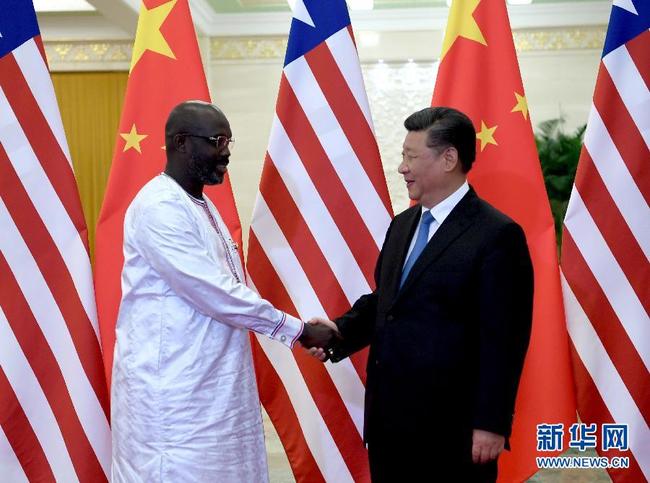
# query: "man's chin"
{"type": "Point", "coordinates": [213, 180]}
{"type": "Point", "coordinates": [414, 196]}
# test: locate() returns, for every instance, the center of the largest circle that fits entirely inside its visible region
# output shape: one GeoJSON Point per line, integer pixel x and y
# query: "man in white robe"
{"type": "Point", "coordinates": [184, 401]}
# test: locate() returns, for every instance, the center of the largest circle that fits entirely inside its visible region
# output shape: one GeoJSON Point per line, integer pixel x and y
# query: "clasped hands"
{"type": "Point", "coordinates": [319, 336]}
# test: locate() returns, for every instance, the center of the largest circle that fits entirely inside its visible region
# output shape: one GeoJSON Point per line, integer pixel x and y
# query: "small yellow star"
{"type": "Point", "coordinates": [486, 135]}
{"type": "Point", "coordinates": [132, 139]}
{"type": "Point", "coordinates": [148, 35]}
{"type": "Point", "coordinates": [521, 106]}
{"type": "Point", "coordinates": [461, 23]}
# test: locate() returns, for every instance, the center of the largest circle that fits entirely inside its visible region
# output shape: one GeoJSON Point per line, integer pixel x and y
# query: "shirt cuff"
{"type": "Point", "coordinates": [288, 330]}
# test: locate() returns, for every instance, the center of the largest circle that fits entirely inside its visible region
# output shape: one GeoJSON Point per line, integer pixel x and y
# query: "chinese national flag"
{"type": "Point", "coordinates": [479, 75]}
{"type": "Point", "coordinates": [165, 70]}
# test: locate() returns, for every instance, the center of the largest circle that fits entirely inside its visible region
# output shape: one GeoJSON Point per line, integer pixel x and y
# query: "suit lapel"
{"type": "Point", "coordinates": [400, 243]}
{"type": "Point", "coordinates": [458, 221]}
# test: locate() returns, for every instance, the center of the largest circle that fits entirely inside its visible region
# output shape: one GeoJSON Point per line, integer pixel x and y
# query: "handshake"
{"type": "Point", "coordinates": [319, 337]}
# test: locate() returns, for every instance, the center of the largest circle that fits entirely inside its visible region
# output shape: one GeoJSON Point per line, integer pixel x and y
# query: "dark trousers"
{"type": "Point", "coordinates": [399, 463]}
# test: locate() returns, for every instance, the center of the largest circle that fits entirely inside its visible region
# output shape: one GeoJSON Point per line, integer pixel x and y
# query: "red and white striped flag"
{"type": "Point", "coordinates": [53, 402]}
{"type": "Point", "coordinates": [318, 225]}
{"type": "Point", "coordinates": [606, 244]}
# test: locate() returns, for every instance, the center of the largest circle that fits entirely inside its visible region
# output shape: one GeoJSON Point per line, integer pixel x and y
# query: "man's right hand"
{"type": "Point", "coordinates": [319, 334]}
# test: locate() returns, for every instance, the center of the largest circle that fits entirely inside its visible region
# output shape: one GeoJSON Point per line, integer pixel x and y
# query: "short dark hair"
{"type": "Point", "coordinates": [446, 127]}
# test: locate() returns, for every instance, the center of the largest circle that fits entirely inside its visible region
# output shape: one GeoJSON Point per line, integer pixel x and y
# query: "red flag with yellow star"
{"type": "Point", "coordinates": [165, 70]}
{"type": "Point", "coordinates": [479, 75]}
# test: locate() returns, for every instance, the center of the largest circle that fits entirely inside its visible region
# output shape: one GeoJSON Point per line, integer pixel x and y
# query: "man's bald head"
{"type": "Point", "coordinates": [192, 117]}
{"type": "Point", "coordinates": [197, 139]}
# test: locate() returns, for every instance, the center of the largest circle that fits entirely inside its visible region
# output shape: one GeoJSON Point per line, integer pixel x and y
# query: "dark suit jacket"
{"type": "Point", "coordinates": [446, 351]}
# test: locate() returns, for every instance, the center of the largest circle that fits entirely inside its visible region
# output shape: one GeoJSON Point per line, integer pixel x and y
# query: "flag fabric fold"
{"type": "Point", "coordinates": [606, 245]}
{"type": "Point", "coordinates": [479, 75]}
{"type": "Point", "coordinates": [166, 70]}
{"type": "Point", "coordinates": [53, 401]}
{"type": "Point", "coordinates": [318, 225]}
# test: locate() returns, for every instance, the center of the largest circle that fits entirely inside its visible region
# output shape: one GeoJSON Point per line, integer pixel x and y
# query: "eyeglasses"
{"type": "Point", "coordinates": [218, 142]}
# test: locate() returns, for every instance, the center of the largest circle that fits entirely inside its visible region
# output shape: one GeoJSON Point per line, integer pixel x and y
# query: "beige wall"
{"type": "Point", "coordinates": [246, 91]}
{"type": "Point", "coordinates": [558, 81]}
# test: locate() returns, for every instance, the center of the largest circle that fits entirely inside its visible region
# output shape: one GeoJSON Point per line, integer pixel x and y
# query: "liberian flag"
{"type": "Point", "coordinates": [53, 401]}
{"type": "Point", "coordinates": [318, 225]}
{"type": "Point", "coordinates": [606, 244]}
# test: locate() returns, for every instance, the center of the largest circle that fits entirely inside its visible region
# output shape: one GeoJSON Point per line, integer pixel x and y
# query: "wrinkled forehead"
{"type": "Point", "coordinates": [211, 122]}
{"type": "Point", "coordinates": [223, 127]}
{"type": "Point", "coordinates": [415, 141]}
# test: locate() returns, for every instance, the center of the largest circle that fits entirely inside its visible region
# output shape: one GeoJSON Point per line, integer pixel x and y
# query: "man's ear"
{"type": "Point", "coordinates": [450, 159]}
{"type": "Point", "coordinates": [179, 142]}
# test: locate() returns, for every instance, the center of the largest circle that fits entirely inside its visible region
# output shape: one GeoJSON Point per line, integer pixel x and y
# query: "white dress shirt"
{"type": "Point", "coordinates": [439, 212]}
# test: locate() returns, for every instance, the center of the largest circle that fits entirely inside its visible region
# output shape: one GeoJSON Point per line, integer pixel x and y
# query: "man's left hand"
{"type": "Point", "coordinates": [486, 446]}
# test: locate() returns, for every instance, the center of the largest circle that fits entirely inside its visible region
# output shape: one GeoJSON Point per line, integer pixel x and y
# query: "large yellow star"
{"type": "Point", "coordinates": [132, 139]}
{"type": "Point", "coordinates": [486, 135]}
{"type": "Point", "coordinates": [148, 35]}
{"type": "Point", "coordinates": [521, 106]}
{"type": "Point", "coordinates": [461, 23]}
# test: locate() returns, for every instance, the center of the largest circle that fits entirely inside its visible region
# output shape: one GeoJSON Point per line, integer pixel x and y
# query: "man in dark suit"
{"type": "Point", "coordinates": [449, 322]}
